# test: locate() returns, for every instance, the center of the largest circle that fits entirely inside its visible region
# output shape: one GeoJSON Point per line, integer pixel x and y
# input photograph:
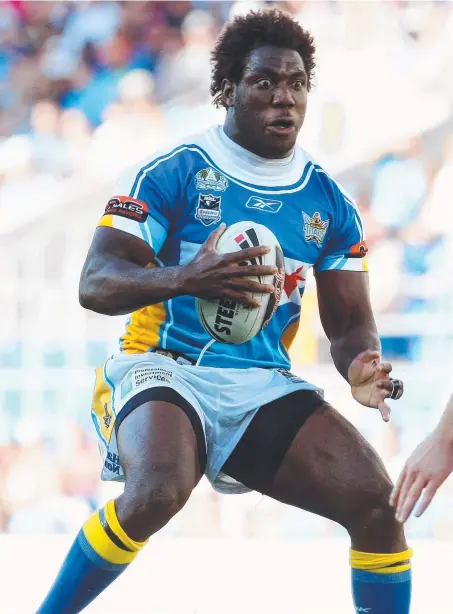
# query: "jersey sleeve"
{"type": "Point", "coordinates": [143, 205]}
{"type": "Point", "coordinates": [346, 247]}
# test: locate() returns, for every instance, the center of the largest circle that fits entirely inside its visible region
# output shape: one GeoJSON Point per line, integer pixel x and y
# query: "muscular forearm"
{"type": "Point", "coordinates": [356, 340]}
{"type": "Point", "coordinates": [119, 287]}
{"type": "Point", "coordinates": [445, 426]}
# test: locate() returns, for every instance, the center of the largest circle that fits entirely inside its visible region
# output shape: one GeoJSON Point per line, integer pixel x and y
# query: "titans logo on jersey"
{"type": "Point", "coordinates": [175, 200]}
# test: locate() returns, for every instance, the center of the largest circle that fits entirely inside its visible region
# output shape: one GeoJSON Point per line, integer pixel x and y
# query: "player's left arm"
{"type": "Point", "coordinates": [346, 312]}
{"type": "Point", "coordinates": [346, 316]}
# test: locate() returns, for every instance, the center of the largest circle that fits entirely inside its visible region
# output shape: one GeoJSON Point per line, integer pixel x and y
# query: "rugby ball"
{"type": "Point", "coordinates": [231, 322]}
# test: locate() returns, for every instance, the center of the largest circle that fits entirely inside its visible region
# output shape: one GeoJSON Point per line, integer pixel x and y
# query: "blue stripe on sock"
{"type": "Point", "coordinates": [94, 556]}
{"type": "Point", "coordinates": [381, 593]}
{"type": "Point", "coordinates": [82, 577]}
{"type": "Point", "coordinates": [381, 578]}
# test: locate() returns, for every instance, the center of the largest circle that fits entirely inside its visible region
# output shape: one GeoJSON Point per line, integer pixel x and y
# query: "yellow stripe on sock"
{"type": "Point", "coordinates": [103, 545]}
{"type": "Point", "coordinates": [381, 563]}
{"type": "Point", "coordinates": [112, 519]}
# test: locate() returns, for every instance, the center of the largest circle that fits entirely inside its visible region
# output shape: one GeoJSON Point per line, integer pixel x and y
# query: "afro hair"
{"type": "Point", "coordinates": [257, 29]}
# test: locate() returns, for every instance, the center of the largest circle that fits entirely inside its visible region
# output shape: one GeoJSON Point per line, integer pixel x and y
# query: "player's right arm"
{"type": "Point", "coordinates": [427, 468]}
{"type": "Point", "coordinates": [121, 275]}
{"type": "Point", "coordinates": [116, 278]}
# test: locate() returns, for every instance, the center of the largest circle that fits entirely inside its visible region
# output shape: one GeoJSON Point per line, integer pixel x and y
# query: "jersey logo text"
{"type": "Point", "coordinates": [315, 228]}
{"type": "Point", "coordinates": [127, 207]}
{"type": "Point", "coordinates": [210, 179]}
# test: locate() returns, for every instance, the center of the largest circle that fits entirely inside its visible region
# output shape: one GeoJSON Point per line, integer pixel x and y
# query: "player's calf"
{"type": "Point", "coordinates": [158, 451]}
{"type": "Point", "coordinates": [330, 469]}
{"type": "Point", "coordinates": [379, 556]}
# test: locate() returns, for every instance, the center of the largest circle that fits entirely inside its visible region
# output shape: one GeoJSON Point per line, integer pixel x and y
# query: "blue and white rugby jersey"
{"type": "Point", "coordinates": [174, 201]}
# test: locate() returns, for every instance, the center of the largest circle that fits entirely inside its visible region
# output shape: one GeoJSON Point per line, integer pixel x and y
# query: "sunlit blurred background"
{"type": "Point", "coordinates": [89, 88]}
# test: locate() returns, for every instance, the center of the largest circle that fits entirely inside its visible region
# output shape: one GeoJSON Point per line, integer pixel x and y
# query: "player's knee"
{"type": "Point", "coordinates": [150, 506]}
{"type": "Point", "coordinates": [372, 511]}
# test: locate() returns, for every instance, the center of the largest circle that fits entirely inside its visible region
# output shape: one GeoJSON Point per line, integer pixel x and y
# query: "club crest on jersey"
{"type": "Point", "coordinates": [210, 179]}
{"type": "Point", "coordinates": [315, 228]}
{"type": "Point", "coordinates": [208, 209]}
{"type": "Point", "coordinates": [264, 204]}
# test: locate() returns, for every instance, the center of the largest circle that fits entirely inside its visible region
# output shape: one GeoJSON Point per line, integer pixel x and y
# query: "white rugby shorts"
{"type": "Point", "coordinates": [225, 400]}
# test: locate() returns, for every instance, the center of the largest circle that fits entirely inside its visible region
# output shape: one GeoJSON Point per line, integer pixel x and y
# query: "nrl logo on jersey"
{"type": "Point", "coordinates": [208, 209]}
{"type": "Point", "coordinates": [315, 228]}
{"type": "Point", "coordinates": [210, 179]}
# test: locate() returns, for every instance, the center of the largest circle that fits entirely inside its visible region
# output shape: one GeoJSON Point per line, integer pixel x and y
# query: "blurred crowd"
{"type": "Point", "coordinates": [88, 88]}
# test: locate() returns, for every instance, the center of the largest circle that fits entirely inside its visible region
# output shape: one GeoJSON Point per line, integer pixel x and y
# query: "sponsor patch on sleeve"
{"type": "Point", "coordinates": [359, 250]}
{"type": "Point", "coordinates": [127, 207]}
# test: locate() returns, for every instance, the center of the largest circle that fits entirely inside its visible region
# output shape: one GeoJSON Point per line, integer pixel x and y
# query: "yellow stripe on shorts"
{"type": "Point", "coordinates": [102, 404]}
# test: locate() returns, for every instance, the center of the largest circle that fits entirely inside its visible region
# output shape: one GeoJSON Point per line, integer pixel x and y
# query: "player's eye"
{"type": "Point", "coordinates": [264, 84]}
{"type": "Point", "coordinates": [299, 84]}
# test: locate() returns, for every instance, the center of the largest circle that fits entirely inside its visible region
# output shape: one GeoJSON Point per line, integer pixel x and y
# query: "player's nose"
{"type": "Point", "coordinates": [283, 96]}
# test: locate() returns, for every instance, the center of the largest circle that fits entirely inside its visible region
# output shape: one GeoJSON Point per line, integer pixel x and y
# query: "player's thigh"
{"type": "Point", "coordinates": [301, 451]}
{"type": "Point", "coordinates": [330, 469]}
{"type": "Point", "coordinates": [162, 447]}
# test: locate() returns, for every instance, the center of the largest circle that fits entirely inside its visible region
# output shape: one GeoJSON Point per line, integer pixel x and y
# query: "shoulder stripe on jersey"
{"type": "Point", "coordinates": [306, 173]}
{"type": "Point", "coordinates": [348, 200]}
{"type": "Point", "coordinates": [338, 261]}
{"type": "Point", "coordinates": [151, 166]}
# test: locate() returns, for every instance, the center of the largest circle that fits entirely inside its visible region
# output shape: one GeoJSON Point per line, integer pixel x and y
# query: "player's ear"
{"type": "Point", "coordinates": [228, 93]}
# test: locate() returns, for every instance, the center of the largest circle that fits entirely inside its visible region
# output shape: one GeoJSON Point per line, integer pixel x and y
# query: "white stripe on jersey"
{"type": "Point", "coordinates": [350, 202]}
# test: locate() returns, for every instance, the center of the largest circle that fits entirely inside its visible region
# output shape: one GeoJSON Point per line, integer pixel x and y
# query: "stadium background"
{"type": "Point", "coordinates": [88, 88]}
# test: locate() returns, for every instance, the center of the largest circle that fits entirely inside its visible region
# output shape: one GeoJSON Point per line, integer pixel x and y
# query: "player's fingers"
{"type": "Point", "coordinates": [411, 498]}
{"type": "Point", "coordinates": [427, 497]}
{"type": "Point", "coordinates": [249, 285]}
{"type": "Point", "coordinates": [386, 367]}
{"type": "Point", "coordinates": [215, 235]}
{"type": "Point", "coordinates": [385, 386]}
{"type": "Point", "coordinates": [368, 356]}
{"type": "Point", "coordinates": [246, 254]}
{"type": "Point", "coordinates": [384, 410]}
{"type": "Point", "coordinates": [240, 297]}
{"type": "Point", "coordinates": [397, 488]}
{"type": "Point", "coordinates": [249, 270]}
{"type": "Point", "coordinates": [393, 388]}
{"type": "Point", "coordinates": [405, 487]}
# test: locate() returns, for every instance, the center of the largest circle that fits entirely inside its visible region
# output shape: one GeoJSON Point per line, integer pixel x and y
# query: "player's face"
{"type": "Point", "coordinates": [269, 103]}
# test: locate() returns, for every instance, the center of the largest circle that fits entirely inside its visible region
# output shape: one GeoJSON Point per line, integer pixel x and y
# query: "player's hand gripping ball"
{"type": "Point", "coordinates": [371, 384]}
{"type": "Point", "coordinates": [227, 320]}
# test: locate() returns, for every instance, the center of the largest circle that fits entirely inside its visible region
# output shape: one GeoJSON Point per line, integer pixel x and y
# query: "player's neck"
{"type": "Point", "coordinates": [231, 130]}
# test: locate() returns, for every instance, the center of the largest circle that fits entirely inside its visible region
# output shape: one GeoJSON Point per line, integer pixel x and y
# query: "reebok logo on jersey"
{"type": "Point", "coordinates": [264, 204]}
{"type": "Point", "coordinates": [315, 228]}
{"type": "Point", "coordinates": [128, 207]}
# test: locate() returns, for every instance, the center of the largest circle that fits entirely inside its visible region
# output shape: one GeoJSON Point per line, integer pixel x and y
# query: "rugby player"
{"type": "Point", "coordinates": [171, 405]}
{"type": "Point", "coordinates": [426, 470]}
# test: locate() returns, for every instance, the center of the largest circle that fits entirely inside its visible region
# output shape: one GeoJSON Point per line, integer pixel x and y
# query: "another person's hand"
{"type": "Point", "coordinates": [371, 384]}
{"type": "Point", "coordinates": [426, 469]}
{"type": "Point", "coordinates": [214, 275]}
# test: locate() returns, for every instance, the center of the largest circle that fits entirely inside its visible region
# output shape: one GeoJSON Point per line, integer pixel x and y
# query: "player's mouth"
{"type": "Point", "coordinates": [282, 126]}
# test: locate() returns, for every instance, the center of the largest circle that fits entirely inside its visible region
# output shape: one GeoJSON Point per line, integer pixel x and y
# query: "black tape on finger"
{"type": "Point", "coordinates": [397, 389]}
